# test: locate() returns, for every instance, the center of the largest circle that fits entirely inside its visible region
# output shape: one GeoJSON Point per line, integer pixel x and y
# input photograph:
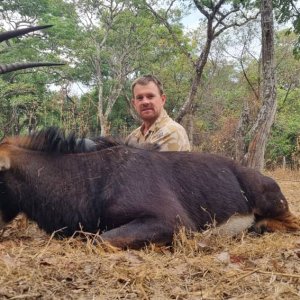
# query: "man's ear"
{"type": "Point", "coordinates": [163, 98]}
{"type": "Point", "coordinates": [133, 102]}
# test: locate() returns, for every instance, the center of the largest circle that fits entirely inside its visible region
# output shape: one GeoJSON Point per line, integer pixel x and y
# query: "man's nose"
{"type": "Point", "coordinates": [145, 100]}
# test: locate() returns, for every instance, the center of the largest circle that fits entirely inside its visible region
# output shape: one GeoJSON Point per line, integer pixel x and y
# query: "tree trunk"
{"type": "Point", "coordinates": [240, 143]}
{"type": "Point", "coordinates": [199, 67]}
{"type": "Point", "coordinates": [105, 126]}
{"type": "Point", "coordinates": [103, 119]}
{"type": "Point", "coordinates": [190, 128]}
{"type": "Point", "coordinates": [260, 131]}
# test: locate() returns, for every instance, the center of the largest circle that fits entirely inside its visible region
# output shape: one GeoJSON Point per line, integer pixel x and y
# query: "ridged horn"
{"type": "Point", "coordinates": [5, 68]}
{"type": "Point", "coordinates": [23, 65]}
{"type": "Point", "coordinates": [13, 33]}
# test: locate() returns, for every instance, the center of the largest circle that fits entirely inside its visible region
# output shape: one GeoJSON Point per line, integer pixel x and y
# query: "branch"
{"type": "Point", "coordinates": [286, 96]}
{"type": "Point", "coordinates": [248, 81]}
{"type": "Point", "coordinates": [295, 8]}
{"type": "Point", "coordinates": [169, 27]}
{"type": "Point", "coordinates": [217, 7]}
{"type": "Point", "coordinates": [237, 24]}
{"type": "Point", "coordinates": [202, 9]}
{"type": "Point", "coordinates": [170, 6]}
{"type": "Point", "coordinates": [240, 60]}
{"type": "Point", "coordinates": [223, 17]}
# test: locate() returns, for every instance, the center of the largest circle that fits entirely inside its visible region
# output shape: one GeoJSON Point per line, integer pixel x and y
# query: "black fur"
{"type": "Point", "coordinates": [54, 140]}
{"type": "Point", "coordinates": [133, 196]}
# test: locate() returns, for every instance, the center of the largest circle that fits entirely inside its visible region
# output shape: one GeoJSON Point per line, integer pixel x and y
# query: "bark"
{"type": "Point", "coordinates": [260, 131]}
{"type": "Point", "coordinates": [190, 128]}
{"type": "Point", "coordinates": [242, 129]}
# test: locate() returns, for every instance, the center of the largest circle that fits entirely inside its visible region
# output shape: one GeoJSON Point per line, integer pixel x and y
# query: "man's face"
{"type": "Point", "coordinates": [148, 102]}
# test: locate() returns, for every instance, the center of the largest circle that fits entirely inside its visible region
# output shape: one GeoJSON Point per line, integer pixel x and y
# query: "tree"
{"type": "Point", "coordinates": [286, 128]}
{"type": "Point", "coordinates": [219, 16]}
{"type": "Point", "coordinates": [259, 132]}
{"type": "Point", "coordinates": [30, 94]}
{"type": "Point", "coordinates": [287, 11]}
{"type": "Point", "coordinates": [117, 40]}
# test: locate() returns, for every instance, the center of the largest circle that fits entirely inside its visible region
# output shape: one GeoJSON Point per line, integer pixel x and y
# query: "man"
{"type": "Point", "coordinates": [157, 127]}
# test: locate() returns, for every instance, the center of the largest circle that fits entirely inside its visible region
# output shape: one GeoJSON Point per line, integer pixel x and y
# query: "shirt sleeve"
{"type": "Point", "coordinates": [173, 139]}
{"type": "Point", "coordinates": [131, 139]}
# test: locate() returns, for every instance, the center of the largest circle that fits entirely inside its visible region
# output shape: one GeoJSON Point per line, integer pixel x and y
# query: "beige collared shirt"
{"type": "Point", "coordinates": [165, 132]}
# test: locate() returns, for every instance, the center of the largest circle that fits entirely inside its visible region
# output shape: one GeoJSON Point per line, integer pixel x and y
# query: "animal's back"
{"type": "Point", "coordinates": [133, 196]}
{"type": "Point", "coordinates": [193, 188]}
{"type": "Point", "coordinates": [207, 187]}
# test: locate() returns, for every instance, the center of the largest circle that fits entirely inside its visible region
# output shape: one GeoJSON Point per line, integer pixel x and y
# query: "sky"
{"type": "Point", "coordinates": [191, 21]}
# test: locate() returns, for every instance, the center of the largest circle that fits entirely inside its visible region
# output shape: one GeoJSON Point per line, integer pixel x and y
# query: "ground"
{"type": "Point", "coordinates": [34, 265]}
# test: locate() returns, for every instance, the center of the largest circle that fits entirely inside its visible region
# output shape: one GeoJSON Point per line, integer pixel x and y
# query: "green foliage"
{"type": "Point", "coordinates": [20, 104]}
{"type": "Point", "coordinates": [286, 128]}
{"type": "Point", "coordinates": [283, 139]}
{"type": "Point", "coordinates": [286, 12]}
{"type": "Point", "coordinates": [282, 142]}
{"type": "Point", "coordinates": [141, 45]}
{"type": "Point", "coordinates": [29, 8]}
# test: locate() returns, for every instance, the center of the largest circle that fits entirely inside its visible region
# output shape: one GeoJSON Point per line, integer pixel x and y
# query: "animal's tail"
{"type": "Point", "coordinates": [284, 223]}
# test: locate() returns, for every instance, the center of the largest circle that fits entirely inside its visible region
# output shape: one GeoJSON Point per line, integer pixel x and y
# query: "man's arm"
{"type": "Point", "coordinates": [172, 139]}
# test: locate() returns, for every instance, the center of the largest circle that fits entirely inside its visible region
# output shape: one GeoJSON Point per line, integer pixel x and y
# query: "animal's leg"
{"type": "Point", "coordinates": [286, 222]}
{"type": "Point", "coordinates": [139, 233]}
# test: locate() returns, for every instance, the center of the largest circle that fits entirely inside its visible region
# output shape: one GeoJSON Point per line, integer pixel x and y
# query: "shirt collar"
{"type": "Point", "coordinates": [156, 125]}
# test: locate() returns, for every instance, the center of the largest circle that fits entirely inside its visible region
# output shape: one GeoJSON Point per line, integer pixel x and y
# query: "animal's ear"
{"type": "Point", "coordinates": [4, 162]}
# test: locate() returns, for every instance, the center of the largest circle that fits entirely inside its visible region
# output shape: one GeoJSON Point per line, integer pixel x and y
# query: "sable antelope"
{"type": "Point", "coordinates": [5, 68]}
{"type": "Point", "coordinates": [132, 196]}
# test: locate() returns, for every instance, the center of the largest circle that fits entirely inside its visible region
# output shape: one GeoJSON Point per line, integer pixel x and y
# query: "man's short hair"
{"type": "Point", "coordinates": [144, 80]}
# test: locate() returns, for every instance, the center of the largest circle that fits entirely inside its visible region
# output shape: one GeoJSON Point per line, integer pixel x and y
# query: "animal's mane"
{"type": "Point", "coordinates": [54, 140]}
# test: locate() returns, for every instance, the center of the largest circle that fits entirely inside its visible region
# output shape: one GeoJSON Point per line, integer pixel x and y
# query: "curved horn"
{"type": "Point", "coordinates": [13, 33]}
{"type": "Point", "coordinates": [5, 68]}
{"type": "Point", "coordinates": [19, 66]}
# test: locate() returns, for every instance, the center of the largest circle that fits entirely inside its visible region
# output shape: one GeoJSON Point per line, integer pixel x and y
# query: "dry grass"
{"type": "Point", "coordinates": [33, 265]}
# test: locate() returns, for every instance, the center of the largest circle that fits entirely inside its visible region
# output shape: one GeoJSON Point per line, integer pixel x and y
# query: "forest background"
{"type": "Point", "coordinates": [212, 72]}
